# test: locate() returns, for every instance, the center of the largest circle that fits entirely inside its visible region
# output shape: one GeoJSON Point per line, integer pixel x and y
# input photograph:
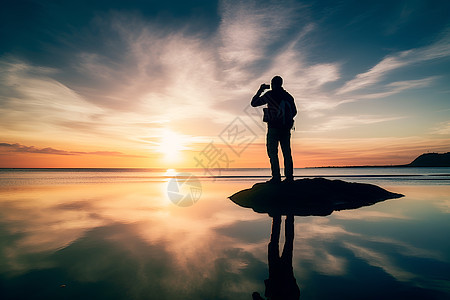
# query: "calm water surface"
{"type": "Point", "coordinates": [115, 234]}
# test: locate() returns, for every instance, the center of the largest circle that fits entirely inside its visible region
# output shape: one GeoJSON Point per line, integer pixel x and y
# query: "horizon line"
{"type": "Point", "coordinates": [222, 169]}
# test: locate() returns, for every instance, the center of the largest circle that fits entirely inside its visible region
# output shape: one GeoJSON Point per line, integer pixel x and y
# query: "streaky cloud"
{"type": "Point", "coordinates": [343, 122]}
{"type": "Point", "coordinates": [48, 150]}
{"type": "Point", "coordinates": [439, 49]}
{"type": "Point", "coordinates": [442, 128]}
{"type": "Point", "coordinates": [380, 260]}
{"type": "Point", "coordinates": [393, 88]}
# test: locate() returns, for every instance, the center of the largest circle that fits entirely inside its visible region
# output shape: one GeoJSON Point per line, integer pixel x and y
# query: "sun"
{"type": "Point", "coordinates": [171, 146]}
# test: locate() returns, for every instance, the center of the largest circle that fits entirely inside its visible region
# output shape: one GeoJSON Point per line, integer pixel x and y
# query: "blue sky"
{"type": "Point", "coordinates": [370, 78]}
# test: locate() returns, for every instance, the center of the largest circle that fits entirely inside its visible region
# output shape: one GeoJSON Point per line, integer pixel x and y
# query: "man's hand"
{"type": "Point", "coordinates": [264, 87]}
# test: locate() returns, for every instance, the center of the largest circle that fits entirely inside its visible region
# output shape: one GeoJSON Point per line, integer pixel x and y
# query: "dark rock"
{"type": "Point", "coordinates": [310, 197]}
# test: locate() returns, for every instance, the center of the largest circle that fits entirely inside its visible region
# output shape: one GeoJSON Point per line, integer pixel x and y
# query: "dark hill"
{"type": "Point", "coordinates": [432, 160]}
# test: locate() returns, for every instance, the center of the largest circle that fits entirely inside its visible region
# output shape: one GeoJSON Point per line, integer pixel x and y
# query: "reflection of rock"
{"type": "Point", "coordinates": [310, 197]}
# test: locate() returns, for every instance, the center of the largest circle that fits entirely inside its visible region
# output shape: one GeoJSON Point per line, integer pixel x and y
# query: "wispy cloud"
{"type": "Point", "coordinates": [395, 61]}
{"type": "Point", "coordinates": [371, 215]}
{"type": "Point", "coordinates": [247, 31]}
{"type": "Point", "coordinates": [48, 150]}
{"type": "Point", "coordinates": [32, 102]}
{"type": "Point", "coordinates": [343, 122]}
{"type": "Point", "coordinates": [442, 128]}
{"type": "Point", "coordinates": [380, 260]}
{"type": "Point", "coordinates": [162, 76]}
{"type": "Point", "coordinates": [393, 88]}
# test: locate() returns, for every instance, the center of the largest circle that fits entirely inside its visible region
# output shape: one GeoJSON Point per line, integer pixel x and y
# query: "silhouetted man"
{"type": "Point", "coordinates": [281, 284]}
{"type": "Point", "coordinates": [279, 116]}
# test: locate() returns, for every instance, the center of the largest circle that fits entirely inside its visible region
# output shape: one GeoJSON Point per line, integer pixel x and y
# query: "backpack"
{"type": "Point", "coordinates": [279, 115]}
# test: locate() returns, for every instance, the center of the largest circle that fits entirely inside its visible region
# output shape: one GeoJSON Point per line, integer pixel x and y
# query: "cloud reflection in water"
{"type": "Point", "coordinates": [115, 241]}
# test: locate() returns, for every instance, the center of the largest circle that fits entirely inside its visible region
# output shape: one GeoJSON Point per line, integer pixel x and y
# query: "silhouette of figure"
{"type": "Point", "coordinates": [279, 116]}
{"type": "Point", "coordinates": [281, 283]}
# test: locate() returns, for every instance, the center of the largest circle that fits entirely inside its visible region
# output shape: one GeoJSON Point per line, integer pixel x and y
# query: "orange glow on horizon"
{"type": "Point", "coordinates": [175, 155]}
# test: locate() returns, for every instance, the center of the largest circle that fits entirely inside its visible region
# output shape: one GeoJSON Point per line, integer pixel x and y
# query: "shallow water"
{"type": "Point", "coordinates": [109, 234]}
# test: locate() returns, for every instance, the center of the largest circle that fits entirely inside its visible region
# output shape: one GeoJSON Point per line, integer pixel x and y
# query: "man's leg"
{"type": "Point", "coordinates": [285, 142]}
{"type": "Point", "coordinates": [272, 151]}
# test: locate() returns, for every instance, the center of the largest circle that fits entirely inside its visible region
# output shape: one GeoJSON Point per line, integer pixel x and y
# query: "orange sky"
{"type": "Point", "coordinates": [307, 153]}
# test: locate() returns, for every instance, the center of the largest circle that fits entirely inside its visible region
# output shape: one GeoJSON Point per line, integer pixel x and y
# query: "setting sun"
{"type": "Point", "coordinates": [171, 146]}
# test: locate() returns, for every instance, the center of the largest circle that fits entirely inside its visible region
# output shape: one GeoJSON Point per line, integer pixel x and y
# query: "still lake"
{"type": "Point", "coordinates": [117, 234]}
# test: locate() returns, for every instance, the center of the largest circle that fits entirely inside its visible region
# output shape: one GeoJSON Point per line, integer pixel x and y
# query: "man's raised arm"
{"type": "Point", "coordinates": [257, 100]}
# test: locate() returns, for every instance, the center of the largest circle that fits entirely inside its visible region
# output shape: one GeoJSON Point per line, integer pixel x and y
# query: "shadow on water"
{"type": "Point", "coordinates": [305, 197]}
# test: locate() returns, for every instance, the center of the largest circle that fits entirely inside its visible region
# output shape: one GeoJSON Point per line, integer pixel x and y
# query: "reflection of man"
{"type": "Point", "coordinates": [281, 283]}
{"type": "Point", "coordinates": [279, 116]}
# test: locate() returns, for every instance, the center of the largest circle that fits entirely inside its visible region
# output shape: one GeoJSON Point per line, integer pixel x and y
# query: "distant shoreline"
{"type": "Point", "coordinates": [197, 169]}
{"type": "Point", "coordinates": [376, 166]}
{"type": "Point", "coordinates": [426, 160]}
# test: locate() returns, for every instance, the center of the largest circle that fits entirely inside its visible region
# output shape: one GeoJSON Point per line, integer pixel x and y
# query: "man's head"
{"type": "Point", "coordinates": [277, 82]}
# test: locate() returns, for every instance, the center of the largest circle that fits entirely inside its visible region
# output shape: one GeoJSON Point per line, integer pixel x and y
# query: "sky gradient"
{"type": "Point", "coordinates": [167, 84]}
